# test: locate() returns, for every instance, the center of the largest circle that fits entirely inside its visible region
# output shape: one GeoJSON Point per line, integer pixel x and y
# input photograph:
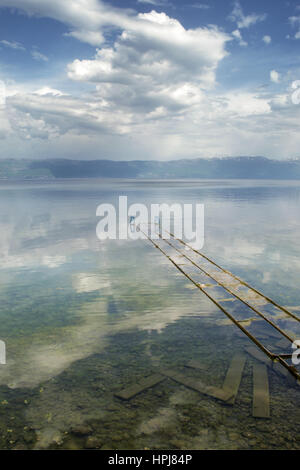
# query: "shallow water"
{"type": "Point", "coordinates": [83, 319]}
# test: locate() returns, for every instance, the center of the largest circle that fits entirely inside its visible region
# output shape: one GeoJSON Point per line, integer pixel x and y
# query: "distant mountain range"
{"type": "Point", "coordinates": [214, 168]}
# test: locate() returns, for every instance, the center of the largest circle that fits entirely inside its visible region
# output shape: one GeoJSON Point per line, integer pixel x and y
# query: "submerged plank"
{"type": "Point", "coordinates": [139, 387]}
{"type": "Point", "coordinates": [234, 376]}
{"type": "Point", "coordinates": [284, 343]}
{"type": "Point", "coordinates": [196, 365]}
{"type": "Point", "coordinates": [260, 356]}
{"type": "Point", "coordinates": [279, 369]}
{"type": "Point", "coordinates": [261, 399]}
{"type": "Point", "coordinates": [199, 386]}
{"type": "Point", "coordinates": [241, 334]}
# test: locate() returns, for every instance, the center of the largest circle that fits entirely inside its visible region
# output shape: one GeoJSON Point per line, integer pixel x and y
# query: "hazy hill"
{"type": "Point", "coordinates": [215, 168]}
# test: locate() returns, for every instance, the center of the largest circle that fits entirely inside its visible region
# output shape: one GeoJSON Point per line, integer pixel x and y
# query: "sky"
{"type": "Point", "coordinates": [149, 79]}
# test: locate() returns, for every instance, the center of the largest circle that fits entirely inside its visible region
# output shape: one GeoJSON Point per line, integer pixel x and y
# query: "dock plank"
{"type": "Point", "coordinates": [260, 356]}
{"type": "Point", "coordinates": [234, 376]}
{"type": "Point", "coordinates": [261, 398]}
{"type": "Point", "coordinates": [196, 365]}
{"type": "Point", "coordinates": [284, 343]}
{"type": "Point", "coordinates": [199, 386]}
{"type": "Point", "coordinates": [139, 387]}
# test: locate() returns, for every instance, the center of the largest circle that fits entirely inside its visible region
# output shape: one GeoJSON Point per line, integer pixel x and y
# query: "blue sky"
{"type": "Point", "coordinates": [149, 79]}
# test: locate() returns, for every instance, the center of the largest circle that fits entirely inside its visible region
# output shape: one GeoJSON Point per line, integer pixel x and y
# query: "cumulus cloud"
{"type": "Point", "coordinates": [245, 21]}
{"type": "Point", "coordinates": [274, 76]}
{"type": "Point", "coordinates": [155, 71]}
{"type": "Point", "coordinates": [151, 92]}
{"type": "Point", "coordinates": [295, 22]}
{"type": "Point", "coordinates": [49, 113]}
{"type": "Point", "coordinates": [237, 35]}
{"type": "Point", "coordinates": [84, 17]}
{"type": "Point", "coordinates": [49, 91]}
{"type": "Point", "coordinates": [267, 39]}
{"type": "Point", "coordinates": [242, 104]}
{"type": "Point", "coordinates": [217, 125]}
{"type": "Point", "coordinates": [214, 124]}
{"type": "Point", "coordinates": [175, 120]}
{"type": "Point", "coordinates": [156, 49]}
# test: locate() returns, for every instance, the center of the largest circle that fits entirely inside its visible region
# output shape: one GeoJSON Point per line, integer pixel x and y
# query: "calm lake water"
{"type": "Point", "coordinates": [83, 319]}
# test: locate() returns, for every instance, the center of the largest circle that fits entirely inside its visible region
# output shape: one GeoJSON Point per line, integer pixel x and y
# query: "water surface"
{"type": "Point", "coordinates": [82, 319]}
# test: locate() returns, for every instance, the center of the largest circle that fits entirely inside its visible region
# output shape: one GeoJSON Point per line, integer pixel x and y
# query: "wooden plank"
{"type": "Point", "coordinates": [284, 343]}
{"type": "Point", "coordinates": [234, 376]}
{"type": "Point", "coordinates": [139, 387]}
{"type": "Point", "coordinates": [261, 399]}
{"type": "Point", "coordinates": [198, 386]}
{"type": "Point", "coordinates": [258, 328]}
{"type": "Point", "coordinates": [196, 365]}
{"type": "Point", "coordinates": [280, 370]}
{"type": "Point", "coordinates": [260, 356]}
{"type": "Point", "coordinates": [243, 335]}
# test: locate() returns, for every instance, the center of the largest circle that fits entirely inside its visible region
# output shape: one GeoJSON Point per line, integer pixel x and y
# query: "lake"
{"type": "Point", "coordinates": [83, 319]}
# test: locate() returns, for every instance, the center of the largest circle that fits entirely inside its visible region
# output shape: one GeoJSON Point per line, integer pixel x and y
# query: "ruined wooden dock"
{"type": "Point", "coordinates": [271, 327]}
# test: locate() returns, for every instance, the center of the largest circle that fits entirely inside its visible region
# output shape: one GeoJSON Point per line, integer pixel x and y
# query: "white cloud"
{"type": "Point", "coordinates": [155, 71]}
{"type": "Point", "coordinates": [274, 76]}
{"type": "Point", "coordinates": [211, 125]}
{"type": "Point", "coordinates": [279, 101]}
{"type": "Point", "coordinates": [201, 6]}
{"type": "Point", "coordinates": [48, 113]}
{"type": "Point", "coordinates": [183, 122]}
{"type": "Point", "coordinates": [295, 22]}
{"type": "Point", "coordinates": [39, 56]}
{"type": "Point", "coordinates": [12, 45]}
{"type": "Point", "coordinates": [86, 18]}
{"type": "Point", "coordinates": [94, 38]}
{"type": "Point", "coordinates": [242, 104]}
{"type": "Point", "coordinates": [267, 39]}
{"type": "Point", "coordinates": [49, 91]}
{"type": "Point", "coordinates": [237, 35]}
{"type": "Point", "coordinates": [154, 2]}
{"type": "Point", "coordinates": [156, 52]}
{"type": "Point", "coordinates": [151, 94]}
{"type": "Point", "coordinates": [18, 46]}
{"type": "Point", "coordinates": [245, 21]}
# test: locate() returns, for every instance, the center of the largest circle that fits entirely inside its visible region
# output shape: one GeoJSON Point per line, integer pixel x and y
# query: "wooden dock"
{"type": "Point", "coordinates": [257, 316]}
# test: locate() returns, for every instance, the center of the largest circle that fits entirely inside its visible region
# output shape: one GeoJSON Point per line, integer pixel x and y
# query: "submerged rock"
{"type": "Point", "coordinates": [72, 444]}
{"type": "Point", "coordinates": [81, 430]}
{"type": "Point", "coordinates": [93, 442]}
{"type": "Point", "coordinates": [48, 437]}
